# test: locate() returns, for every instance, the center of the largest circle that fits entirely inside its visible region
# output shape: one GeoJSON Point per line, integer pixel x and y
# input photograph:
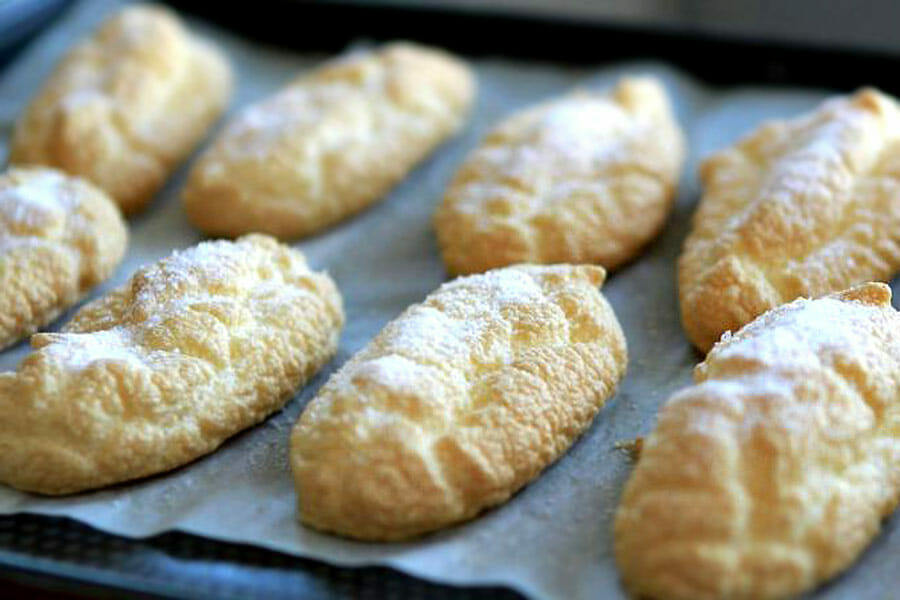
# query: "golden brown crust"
{"type": "Point", "coordinates": [773, 472]}
{"type": "Point", "coordinates": [329, 144]}
{"type": "Point", "coordinates": [125, 106]}
{"type": "Point", "coordinates": [585, 178]}
{"type": "Point", "coordinates": [59, 237]}
{"type": "Point", "coordinates": [458, 403]}
{"type": "Point", "coordinates": [161, 371]}
{"type": "Point", "coordinates": [798, 208]}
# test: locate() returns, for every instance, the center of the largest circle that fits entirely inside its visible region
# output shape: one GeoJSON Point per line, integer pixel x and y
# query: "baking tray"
{"type": "Point", "coordinates": [63, 555]}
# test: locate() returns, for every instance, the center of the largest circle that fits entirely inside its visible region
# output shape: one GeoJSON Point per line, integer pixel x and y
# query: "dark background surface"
{"type": "Point", "coordinates": [742, 41]}
{"type": "Point", "coordinates": [840, 45]}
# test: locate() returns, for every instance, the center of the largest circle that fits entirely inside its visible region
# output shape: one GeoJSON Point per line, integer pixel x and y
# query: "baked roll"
{"type": "Point", "coordinates": [773, 472]}
{"type": "Point", "coordinates": [458, 403]}
{"type": "Point", "coordinates": [125, 106]}
{"type": "Point", "coordinates": [329, 144]}
{"type": "Point", "coordinates": [161, 371]}
{"type": "Point", "coordinates": [586, 178]}
{"type": "Point", "coordinates": [59, 237]}
{"type": "Point", "coordinates": [798, 208]}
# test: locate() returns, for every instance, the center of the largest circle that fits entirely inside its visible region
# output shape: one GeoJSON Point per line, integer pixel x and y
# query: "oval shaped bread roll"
{"type": "Point", "coordinates": [125, 106]}
{"type": "Point", "coordinates": [588, 177]}
{"type": "Point", "coordinates": [161, 371]}
{"type": "Point", "coordinates": [798, 208]}
{"type": "Point", "coordinates": [59, 237]}
{"type": "Point", "coordinates": [329, 144]}
{"type": "Point", "coordinates": [773, 472]}
{"type": "Point", "coordinates": [458, 403]}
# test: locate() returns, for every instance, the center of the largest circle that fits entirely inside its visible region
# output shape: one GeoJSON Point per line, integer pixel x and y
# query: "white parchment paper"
{"type": "Point", "coordinates": [553, 539]}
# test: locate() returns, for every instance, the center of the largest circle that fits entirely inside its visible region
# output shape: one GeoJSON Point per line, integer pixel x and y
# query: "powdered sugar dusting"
{"type": "Point", "coordinates": [77, 351]}
{"type": "Point", "coordinates": [803, 207]}
{"type": "Point", "coordinates": [34, 202]}
{"type": "Point", "coordinates": [566, 142]}
{"type": "Point", "coordinates": [586, 130]}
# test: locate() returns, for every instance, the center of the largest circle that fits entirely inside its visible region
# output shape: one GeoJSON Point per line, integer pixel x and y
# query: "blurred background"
{"type": "Point", "coordinates": [866, 24]}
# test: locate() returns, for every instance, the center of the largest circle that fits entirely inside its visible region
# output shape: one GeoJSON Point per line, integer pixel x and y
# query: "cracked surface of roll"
{"type": "Point", "coordinates": [159, 372]}
{"type": "Point", "coordinates": [126, 105]}
{"type": "Point", "coordinates": [329, 144]}
{"type": "Point", "coordinates": [803, 207]}
{"type": "Point", "coordinates": [773, 472]}
{"type": "Point", "coordinates": [458, 403]}
{"type": "Point", "coordinates": [59, 237]}
{"type": "Point", "coordinates": [589, 177]}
